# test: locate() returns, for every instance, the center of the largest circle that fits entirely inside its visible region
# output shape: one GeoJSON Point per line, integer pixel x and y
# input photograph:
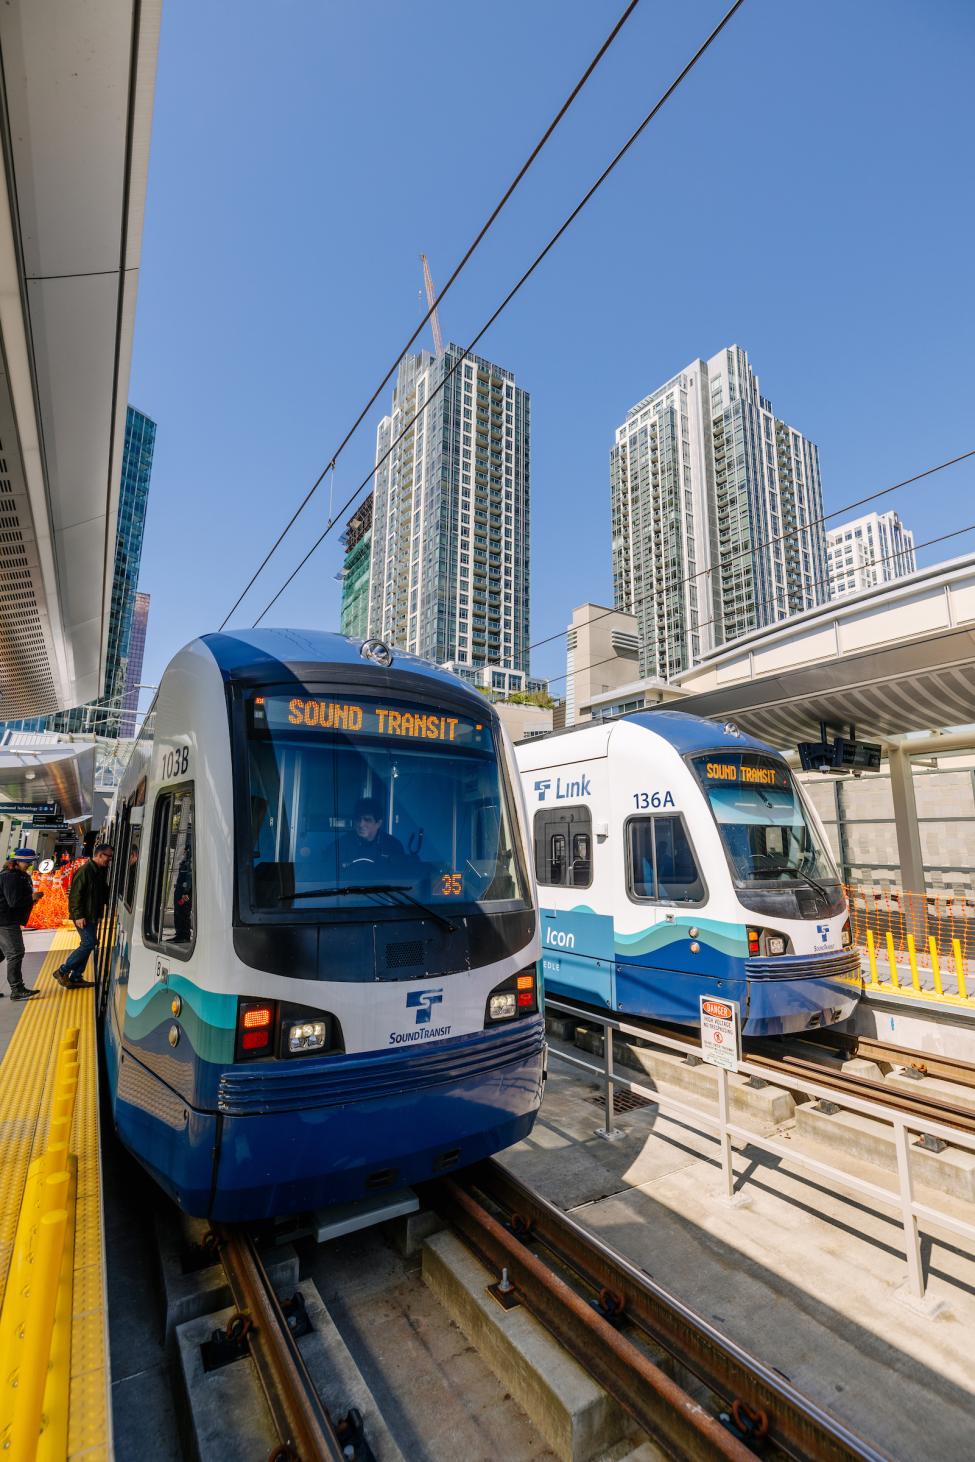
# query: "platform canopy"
{"type": "Point", "coordinates": [43, 768]}
{"type": "Point", "coordinates": [893, 661]}
{"type": "Point", "coordinates": [77, 85]}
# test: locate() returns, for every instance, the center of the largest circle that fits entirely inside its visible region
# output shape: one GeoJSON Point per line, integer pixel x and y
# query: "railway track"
{"type": "Point", "coordinates": [695, 1393]}
{"type": "Point", "coordinates": [306, 1431]}
{"type": "Point", "coordinates": [780, 1055]}
{"type": "Point", "coordinates": [632, 1336]}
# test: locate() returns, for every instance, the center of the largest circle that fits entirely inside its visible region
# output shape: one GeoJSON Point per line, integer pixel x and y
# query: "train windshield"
{"type": "Point", "coordinates": [768, 835]}
{"type": "Point", "coordinates": [364, 803]}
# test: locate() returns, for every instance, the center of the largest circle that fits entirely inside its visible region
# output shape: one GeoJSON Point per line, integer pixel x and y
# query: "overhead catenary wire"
{"type": "Point", "coordinates": [431, 312]}
{"type": "Point", "coordinates": [768, 543]}
{"type": "Point", "coordinates": [777, 624]}
{"type": "Point", "coordinates": [563, 227]}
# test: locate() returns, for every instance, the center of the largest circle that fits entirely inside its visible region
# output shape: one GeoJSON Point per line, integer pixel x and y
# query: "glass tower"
{"type": "Point", "coordinates": [133, 669]}
{"type": "Point", "coordinates": [354, 574]}
{"type": "Point", "coordinates": [104, 716]}
{"type": "Point", "coordinates": [450, 576]}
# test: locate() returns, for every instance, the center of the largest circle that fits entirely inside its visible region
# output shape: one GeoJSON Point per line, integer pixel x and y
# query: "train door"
{"type": "Point", "coordinates": [577, 942]}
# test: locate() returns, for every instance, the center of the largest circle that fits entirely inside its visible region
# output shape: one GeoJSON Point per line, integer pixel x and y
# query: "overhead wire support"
{"type": "Point", "coordinates": [431, 312]}
{"type": "Point", "coordinates": [543, 254]}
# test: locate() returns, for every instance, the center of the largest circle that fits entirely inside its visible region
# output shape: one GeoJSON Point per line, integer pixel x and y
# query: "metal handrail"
{"type": "Point", "coordinates": [913, 1213]}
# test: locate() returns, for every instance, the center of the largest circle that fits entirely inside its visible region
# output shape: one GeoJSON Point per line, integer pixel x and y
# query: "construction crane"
{"type": "Point", "coordinates": [432, 306]}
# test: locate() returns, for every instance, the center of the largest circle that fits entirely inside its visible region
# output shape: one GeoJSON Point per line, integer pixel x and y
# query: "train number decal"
{"type": "Point", "coordinates": [655, 800]}
{"type": "Point", "coordinates": [174, 763]}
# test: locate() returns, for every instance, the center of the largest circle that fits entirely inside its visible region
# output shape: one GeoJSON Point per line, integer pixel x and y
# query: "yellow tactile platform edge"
{"type": "Point", "coordinates": [26, 1075]}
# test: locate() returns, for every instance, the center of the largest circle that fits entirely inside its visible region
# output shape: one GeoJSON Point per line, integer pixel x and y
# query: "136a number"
{"type": "Point", "coordinates": [653, 799]}
{"type": "Point", "coordinates": [175, 762]}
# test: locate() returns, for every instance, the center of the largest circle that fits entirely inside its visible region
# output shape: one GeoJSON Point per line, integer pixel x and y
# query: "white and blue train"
{"type": "Point", "coordinates": [317, 978]}
{"type": "Point", "coordinates": [677, 859]}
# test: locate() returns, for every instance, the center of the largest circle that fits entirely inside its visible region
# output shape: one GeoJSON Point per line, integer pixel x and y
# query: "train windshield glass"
{"type": "Point", "coordinates": [767, 833]}
{"type": "Point", "coordinates": [366, 803]}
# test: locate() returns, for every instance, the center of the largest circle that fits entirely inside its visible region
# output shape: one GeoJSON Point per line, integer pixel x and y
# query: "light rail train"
{"type": "Point", "coordinates": [677, 859]}
{"type": "Point", "coordinates": [317, 977]}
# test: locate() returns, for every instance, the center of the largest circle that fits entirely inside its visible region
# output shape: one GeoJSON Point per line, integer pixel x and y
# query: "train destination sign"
{"type": "Point", "coordinates": [744, 771]}
{"type": "Point", "coordinates": [366, 718]}
{"type": "Point", "coordinates": [720, 1032]}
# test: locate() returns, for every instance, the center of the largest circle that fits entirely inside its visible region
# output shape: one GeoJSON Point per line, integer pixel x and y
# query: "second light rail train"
{"type": "Point", "coordinates": [677, 858]}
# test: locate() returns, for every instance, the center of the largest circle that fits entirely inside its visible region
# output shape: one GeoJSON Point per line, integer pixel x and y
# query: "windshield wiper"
{"type": "Point", "coordinates": [371, 888]}
{"type": "Point", "coordinates": [806, 877]}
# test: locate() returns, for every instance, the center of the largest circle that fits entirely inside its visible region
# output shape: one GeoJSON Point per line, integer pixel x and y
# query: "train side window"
{"type": "Point", "coordinates": [661, 865]}
{"type": "Point", "coordinates": [563, 847]}
{"type": "Point", "coordinates": [131, 871]}
{"type": "Point", "coordinates": [170, 913]}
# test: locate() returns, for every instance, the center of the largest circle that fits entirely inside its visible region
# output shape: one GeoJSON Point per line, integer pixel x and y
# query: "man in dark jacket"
{"type": "Point", "coordinates": [17, 898]}
{"type": "Point", "coordinates": [87, 898]}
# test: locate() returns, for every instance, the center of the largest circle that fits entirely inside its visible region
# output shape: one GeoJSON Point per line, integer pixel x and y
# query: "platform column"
{"type": "Point", "coordinates": [908, 841]}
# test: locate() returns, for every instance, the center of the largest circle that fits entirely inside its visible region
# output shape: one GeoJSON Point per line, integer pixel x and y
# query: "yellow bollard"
{"type": "Point", "coordinates": [895, 982]}
{"type": "Point", "coordinates": [959, 969]}
{"type": "Point", "coordinates": [935, 967]}
{"type": "Point", "coordinates": [55, 1158]}
{"type": "Point", "coordinates": [912, 956]}
{"type": "Point", "coordinates": [35, 1350]}
{"type": "Point", "coordinates": [872, 958]}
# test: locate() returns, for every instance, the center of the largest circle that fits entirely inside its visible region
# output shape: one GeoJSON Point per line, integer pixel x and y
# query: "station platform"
{"type": "Point", "coordinates": [38, 1071]}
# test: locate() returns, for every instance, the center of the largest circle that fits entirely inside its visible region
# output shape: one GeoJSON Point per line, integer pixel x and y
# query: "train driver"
{"type": "Point", "coordinates": [366, 842]}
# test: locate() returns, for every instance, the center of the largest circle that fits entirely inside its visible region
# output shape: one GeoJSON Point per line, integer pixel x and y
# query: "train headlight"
{"type": "Point", "coordinates": [306, 1035]}
{"type": "Point", "coordinates": [775, 944]}
{"type": "Point", "coordinates": [503, 1006]}
{"type": "Point", "coordinates": [846, 936]}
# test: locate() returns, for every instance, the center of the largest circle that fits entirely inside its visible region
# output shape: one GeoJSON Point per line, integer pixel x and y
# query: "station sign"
{"type": "Point", "coordinates": [46, 819]}
{"type": "Point", "coordinates": [720, 1032]}
{"type": "Point", "coordinates": [52, 825]}
{"type": "Point", "coordinates": [19, 809]}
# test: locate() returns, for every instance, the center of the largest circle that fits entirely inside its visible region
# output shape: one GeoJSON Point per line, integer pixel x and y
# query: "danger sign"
{"type": "Point", "coordinates": [720, 1032]}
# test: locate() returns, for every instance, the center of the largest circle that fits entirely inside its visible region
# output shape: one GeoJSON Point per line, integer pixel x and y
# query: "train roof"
{"type": "Point", "coordinates": [256, 655]}
{"type": "Point", "coordinates": [686, 733]}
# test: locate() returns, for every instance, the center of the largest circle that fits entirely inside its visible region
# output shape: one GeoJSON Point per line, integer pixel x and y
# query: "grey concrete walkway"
{"type": "Point", "coordinates": [37, 942]}
{"type": "Point", "coordinates": [801, 1276]}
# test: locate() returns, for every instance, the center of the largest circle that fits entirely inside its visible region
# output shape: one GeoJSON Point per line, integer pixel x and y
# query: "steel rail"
{"type": "Point", "coordinates": [300, 1417]}
{"type": "Point", "coordinates": [934, 1109]}
{"type": "Point", "coordinates": [929, 1063]}
{"type": "Point", "coordinates": [678, 1423]}
{"type": "Point", "coordinates": [796, 1425]}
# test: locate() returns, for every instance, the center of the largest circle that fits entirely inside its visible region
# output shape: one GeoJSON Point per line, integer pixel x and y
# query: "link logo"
{"type": "Point", "coordinates": [579, 788]}
{"type": "Point", "coordinates": [423, 1001]}
{"type": "Point", "coordinates": [823, 931]}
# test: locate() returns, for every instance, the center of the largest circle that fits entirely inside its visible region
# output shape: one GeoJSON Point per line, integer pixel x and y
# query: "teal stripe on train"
{"type": "Point", "coordinates": [208, 1020]}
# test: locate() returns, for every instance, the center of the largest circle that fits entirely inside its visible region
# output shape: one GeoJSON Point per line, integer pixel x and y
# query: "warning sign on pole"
{"type": "Point", "coordinates": [720, 1032]}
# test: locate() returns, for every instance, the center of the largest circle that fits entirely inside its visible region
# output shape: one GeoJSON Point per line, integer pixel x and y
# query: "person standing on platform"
{"type": "Point", "coordinates": [87, 898]}
{"type": "Point", "coordinates": [17, 898]}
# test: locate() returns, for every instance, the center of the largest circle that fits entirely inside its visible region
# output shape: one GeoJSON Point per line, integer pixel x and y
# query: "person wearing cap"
{"type": "Point", "coordinates": [87, 898]}
{"type": "Point", "coordinates": [17, 898]}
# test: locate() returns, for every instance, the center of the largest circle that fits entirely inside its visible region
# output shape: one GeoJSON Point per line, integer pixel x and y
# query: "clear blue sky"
{"type": "Point", "coordinates": [807, 194]}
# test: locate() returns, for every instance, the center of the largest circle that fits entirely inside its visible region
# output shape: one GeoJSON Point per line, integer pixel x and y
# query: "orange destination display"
{"type": "Point", "coordinates": [318, 714]}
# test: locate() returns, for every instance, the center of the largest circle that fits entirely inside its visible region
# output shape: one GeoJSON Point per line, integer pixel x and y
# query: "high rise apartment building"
{"type": "Point", "coordinates": [715, 513]}
{"type": "Point", "coordinates": [868, 551]}
{"type": "Point", "coordinates": [355, 571]}
{"type": "Point", "coordinates": [451, 516]}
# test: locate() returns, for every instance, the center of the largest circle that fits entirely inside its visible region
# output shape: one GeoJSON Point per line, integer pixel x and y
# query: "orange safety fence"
{"type": "Point", "coordinates": [51, 909]}
{"type": "Point", "coordinates": [923, 943]}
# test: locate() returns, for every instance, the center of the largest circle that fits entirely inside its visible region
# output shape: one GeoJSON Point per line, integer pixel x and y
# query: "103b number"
{"type": "Point", "coordinates": [175, 763]}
